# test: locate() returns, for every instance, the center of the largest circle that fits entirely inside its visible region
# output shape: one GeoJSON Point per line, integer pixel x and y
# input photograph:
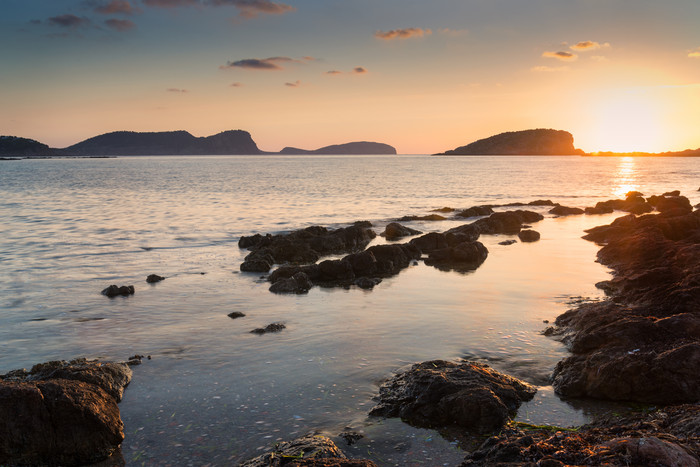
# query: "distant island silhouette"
{"type": "Point", "coordinates": [176, 143]}
{"type": "Point", "coordinates": [538, 142]}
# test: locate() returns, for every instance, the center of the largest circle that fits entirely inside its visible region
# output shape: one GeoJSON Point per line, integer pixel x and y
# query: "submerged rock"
{"type": "Point", "coordinates": [475, 211]}
{"type": "Point", "coordinates": [430, 217]}
{"type": "Point", "coordinates": [565, 211]}
{"type": "Point", "coordinates": [299, 283]}
{"type": "Point", "coordinates": [153, 278]}
{"type": "Point", "coordinates": [236, 314]}
{"type": "Point", "coordinates": [465, 256]}
{"type": "Point", "coordinates": [507, 222]}
{"type": "Point", "coordinates": [439, 394]}
{"type": "Point", "coordinates": [115, 290]}
{"type": "Point", "coordinates": [394, 230]}
{"type": "Point", "coordinates": [274, 327]}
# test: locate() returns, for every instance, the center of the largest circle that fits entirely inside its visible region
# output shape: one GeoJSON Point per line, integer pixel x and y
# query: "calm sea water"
{"type": "Point", "coordinates": [215, 394]}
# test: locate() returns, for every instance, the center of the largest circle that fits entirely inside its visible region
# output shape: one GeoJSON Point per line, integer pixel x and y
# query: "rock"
{"type": "Point", "coordinates": [508, 222]}
{"type": "Point", "coordinates": [634, 204]}
{"type": "Point", "coordinates": [665, 203]}
{"type": "Point", "coordinates": [475, 211]}
{"type": "Point", "coordinates": [394, 230]}
{"type": "Point", "coordinates": [257, 264]}
{"type": "Point", "coordinates": [307, 447]}
{"type": "Point", "coordinates": [537, 142]}
{"type": "Point", "coordinates": [507, 242]}
{"type": "Point", "coordinates": [448, 209]}
{"type": "Point", "coordinates": [565, 211]}
{"type": "Point", "coordinates": [367, 283]}
{"type": "Point", "coordinates": [439, 394]}
{"type": "Point", "coordinates": [430, 242]}
{"type": "Point", "coordinates": [153, 278]}
{"type": "Point", "coordinates": [650, 451]}
{"type": "Point", "coordinates": [672, 193]}
{"type": "Point", "coordinates": [299, 283]}
{"type": "Point", "coordinates": [528, 235]}
{"type": "Point", "coordinates": [599, 209]}
{"type": "Point", "coordinates": [465, 256]}
{"type": "Point", "coordinates": [115, 290]}
{"type": "Point", "coordinates": [274, 327]}
{"type": "Point", "coordinates": [643, 342]}
{"type": "Point", "coordinates": [236, 314]}
{"type": "Point", "coordinates": [351, 437]}
{"type": "Point", "coordinates": [333, 462]}
{"type": "Point", "coordinates": [431, 217]}
{"type": "Point", "coordinates": [61, 413]}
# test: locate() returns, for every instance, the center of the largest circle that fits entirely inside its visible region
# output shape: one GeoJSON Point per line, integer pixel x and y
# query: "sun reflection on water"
{"type": "Point", "coordinates": [626, 177]}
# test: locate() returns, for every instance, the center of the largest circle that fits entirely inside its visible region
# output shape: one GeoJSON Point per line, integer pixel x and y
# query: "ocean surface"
{"type": "Point", "coordinates": [215, 394]}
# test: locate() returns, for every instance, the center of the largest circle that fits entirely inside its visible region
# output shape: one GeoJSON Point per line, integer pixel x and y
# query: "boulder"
{"type": "Point", "coordinates": [312, 446]}
{"type": "Point", "coordinates": [299, 283]}
{"type": "Point", "coordinates": [666, 203]}
{"type": "Point", "coordinates": [153, 278]}
{"type": "Point", "coordinates": [430, 242]}
{"type": "Point", "coordinates": [507, 222]}
{"type": "Point", "coordinates": [394, 231]}
{"type": "Point", "coordinates": [565, 211]}
{"type": "Point", "coordinates": [528, 235]}
{"type": "Point", "coordinates": [367, 283]}
{"type": "Point", "coordinates": [236, 314]}
{"type": "Point", "coordinates": [598, 209]}
{"type": "Point", "coordinates": [475, 211]}
{"type": "Point", "coordinates": [465, 256]}
{"type": "Point", "coordinates": [274, 327]}
{"type": "Point", "coordinates": [115, 290]}
{"type": "Point", "coordinates": [438, 394]}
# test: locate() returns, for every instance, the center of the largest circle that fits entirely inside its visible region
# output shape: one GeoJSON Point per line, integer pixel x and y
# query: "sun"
{"type": "Point", "coordinates": [630, 121]}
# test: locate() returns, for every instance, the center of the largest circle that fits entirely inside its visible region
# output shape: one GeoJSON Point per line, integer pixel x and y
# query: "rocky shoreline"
{"type": "Point", "coordinates": [641, 344]}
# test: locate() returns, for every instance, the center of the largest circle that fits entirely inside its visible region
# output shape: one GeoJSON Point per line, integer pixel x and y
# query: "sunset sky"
{"type": "Point", "coordinates": [423, 76]}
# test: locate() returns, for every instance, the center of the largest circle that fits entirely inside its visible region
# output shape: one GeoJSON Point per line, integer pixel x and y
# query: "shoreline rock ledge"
{"type": "Point", "coordinates": [62, 413]}
{"type": "Point", "coordinates": [439, 393]}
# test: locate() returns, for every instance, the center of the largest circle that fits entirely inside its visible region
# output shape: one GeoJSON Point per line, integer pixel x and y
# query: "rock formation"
{"type": "Point", "coordinates": [540, 142]}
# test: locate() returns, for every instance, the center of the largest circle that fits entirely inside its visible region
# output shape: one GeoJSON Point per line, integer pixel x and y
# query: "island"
{"type": "Point", "coordinates": [538, 142]}
{"type": "Point", "coordinates": [355, 148]}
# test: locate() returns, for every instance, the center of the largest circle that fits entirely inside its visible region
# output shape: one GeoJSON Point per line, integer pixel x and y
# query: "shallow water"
{"type": "Point", "coordinates": [213, 392]}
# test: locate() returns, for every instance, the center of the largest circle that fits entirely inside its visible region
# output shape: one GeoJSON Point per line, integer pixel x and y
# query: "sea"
{"type": "Point", "coordinates": [209, 392]}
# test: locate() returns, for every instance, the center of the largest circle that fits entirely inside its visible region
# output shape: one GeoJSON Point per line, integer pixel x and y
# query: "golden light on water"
{"type": "Point", "coordinates": [625, 177]}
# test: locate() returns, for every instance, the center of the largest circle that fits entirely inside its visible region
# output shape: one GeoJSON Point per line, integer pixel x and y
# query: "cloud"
{"type": "Point", "coordinates": [120, 25]}
{"type": "Point", "coordinates": [69, 21]}
{"type": "Point", "coordinates": [694, 53]}
{"type": "Point", "coordinates": [116, 7]}
{"type": "Point", "coordinates": [295, 84]}
{"type": "Point", "coordinates": [561, 55]}
{"type": "Point", "coordinates": [236, 85]}
{"type": "Point", "coordinates": [170, 3]}
{"type": "Point", "coordinates": [358, 70]}
{"type": "Point", "coordinates": [334, 72]}
{"type": "Point", "coordinates": [453, 32]}
{"type": "Point", "coordinates": [252, 8]}
{"type": "Point", "coordinates": [549, 69]}
{"type": "Point", "coordinates": [272, 63]}
{"type": "Point", "coordinates": [177, 90]}
{"type": "Point", "coordinates": [585, 45]}
{"type": "Point", "coordinates": [402, 33]}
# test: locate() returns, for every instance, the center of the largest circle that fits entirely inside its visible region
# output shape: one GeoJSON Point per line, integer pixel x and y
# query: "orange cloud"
{"type": "Point", "coordinates": [694, 53]}
{"type": "Point", "coordinates": [585, 45]}
{"type": "Point", "coordinates": [117, 7]}
{"type": "Point", "coordinates": [295, 84]}
{"type": "Point", "coordinates": [561, 55]}
{"type": "Point", "coordinates": [402, 33]}
{"type": "Point", "coordinates": [358, 70]}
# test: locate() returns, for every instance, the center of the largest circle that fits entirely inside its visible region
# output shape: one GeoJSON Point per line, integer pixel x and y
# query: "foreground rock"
{"type": "Point", "coordinates": [153, 278]}
{"type": "Point", "coordinates": [309, 450]}
{"type": "Point", "coordinates": [438, 394]}
{"type": "Point", "coordinates": [665, 437]}
{"type": "Point", "coordinates": [303, 246]}
{"type": "Point", "coordinates": [115, 291]}
{"type": "Point", "coordinates": [61, 413]}
{"type": "Point", "coordinates": [394, 231]}
{"type": "Point", "coordinates": [507, 222]}
{"type": "Point", "coordinates": [643, 343]}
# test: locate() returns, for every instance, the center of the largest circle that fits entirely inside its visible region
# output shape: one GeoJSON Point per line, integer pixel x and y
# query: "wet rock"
{"type": "Point", "coordinates": [391, 259]}
{"type": "Point", "coordinates": [351, 437]}
{"type": "Point", "coordinates": [261, 262]}
{"type": "Point", "coordinates": [236, 314]}
{"type": "Point", "coordinates": [448, 209]}
{"type": "Point", "coordinates": [367, 283]}
{"type": "Point", "coordinates": [667, 203]}
{"type": "Point", "coordinates": [299, 283]}
{"type": "Point", "coordinates": [335, 462]}
{"type": "Point", "coordinates": [475, 211]}
{"type": "Point", "coordinates": [440, 394]}
{"type": "Point", "coordinates": [307, 447]}
{"type": "Point", "coordinates": [643, 342]}
{"type": "Point", "coordinates": [507, 242]}
{"type": "Point", "coordinates": [430, 217]}
{"type": "Point", "coordinates": [598, 209]}
{"type": "Point", "coordinates": [508, 222]}
{"type": "Point", "coordinates": [394, 230]}
{"type": "Point", "coordinates": [649, 451]}
{"type": "Point", "coordinates": [153, 278]}
{"type": "Point", "coordinates": [430, 242]}
{"type": "Point", "coordinates": [115, 290]}
{"type": "Point", "coordinates": [634, 203]}
{"type": "Point", "coordinates": [274, 327]}
{"type": "Point", "coordinates": [465, 256]}
{"type": "Point", "coordinates": [565, 211]}
{"type": "Point", "coordinates": [528, 236]}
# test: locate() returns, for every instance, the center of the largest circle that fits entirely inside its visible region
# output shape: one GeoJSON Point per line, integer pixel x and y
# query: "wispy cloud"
{"type": "Point", "coordinates": [561, 55]}
{"type": "Point", "coordinates": [116, 7]}
{"type": "Point", "coordinates": [246, 8]}
{"type": "Point", "coordinates": [453, 32]}
{"type": "Point", "coordinates": [236, 85]}
{"type": "Point", "coordinates": [295, 84]}
{"type": "Point", "coordinates": [69, 21]}
{"type": "Point", "coordinates": [694, 53]}
{"type": "Point", "coordinates": [549, 69]}
{"type": "Point", "coordinates": [585, 46]}
{"type": "Point", "coordinates": [334, 72]}
{"type": "Point", "coordinates": [177, 90]}
{"type": "Point", "coordinates": [120, 25]}
{"type": "Point", "coordinates": [359, 70]}
{"type": "Point", "coordinates": [405, 33]}
{"type": "Point", "coordinates": [272, 63]}
{"type": "Point", "coordinates": [170, 3]}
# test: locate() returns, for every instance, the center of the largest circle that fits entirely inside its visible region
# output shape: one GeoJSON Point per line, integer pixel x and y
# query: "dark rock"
{"type": "Point", "coordinates": [440, 394]}
{"type": "Point", "coordinates": [314, 447]}
{"type": "Point", "coordinates": [115, 290]}
{"type": "Point", "coordinates": [262, 263]}
{"type": "Point", "coordinates": [475, 211]}
{"type": "Point", "coordinates": [643, 343]}
{"type": "Point", "coordinates": [599, 209]}
{"type": "Point", "coordinates": [393, 258]}
{"type": "Point", "coordinates": [299, 283]}
{"type": "Point", "coordinates": [236, 314]}
{"type": "Point", "coordinates": [565, 211]}
{"type": "Point", "coordinates": [430, 241]}
{"type": "Point", "coordinates": [153, 278]}
{"type": "Point", "coordinates": [528, 235]}
{"type": "Point", "coordinates": [395, 230]}
{"type": "Point", "coordinates": [508, 222]}
{"type": "Point", "coordinates": [537, 142]}
{"type": "Point", "coordinates": [351, 437]}
{"type": "Point", "coordinates": [337, 270]}
{"type": "Point", "coordinates": [274, 327]}
{"type": "Point", "coordinates": [672, 193]}
{"type": "Point", "coordinates": [367, 283]}
{"type": "Point", "coordinates": [634, 204]}
{"type": "Point", "coordinates": [254, 241]}
{"type": "Point", "coordinates": [507, 242]}
{"type": "Point", "coordinates": [448, 209]}
{"type": "Point", "coordinates": [334, 462]}
{"type": "Point", "coordinates": [465, 256]}
{"type": "Point", "coordinates": [664, 204]}
{"type": "Point", "coordinates": [431, 217]}
{"type": "Point", "coordinates": [542, 202]}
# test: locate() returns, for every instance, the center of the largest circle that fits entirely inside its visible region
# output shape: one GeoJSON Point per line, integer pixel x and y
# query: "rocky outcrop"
{"type": "Point", "coordinates": [643, 343]}
{"type": "Point", "coordinates": [310, 450]}
{"type": "Point", "coordinates": [507, 222]}
{"type": "Point", "coordinates": [299, 283]}
{"type": "Point", "coordinates": [528, 236]}
{"type": "Point", "coordinates": [394, 231]}
{"type": "Point", "coordinates": [565, 211]}
{"type": "Point", "coordinates": [115, 291]}
{"type": "Point", "coordinates": [355, 148]}
{"type": "Point", "coordinates": [664, 437]}
{"type": "Point", "coordinates": [429, 217]}
{"type": "Point", "coordinates": [465, 256]}
{"type": "Point", "coordinates": [440, 394]}
{"type": "Point", "coordinates": [61, 413]}
{"type": "Point", "coordinates": [303, 246]}
{"type": "Point", "coordinates": [634, 202]}
{"type": "Point", "coordinates": [539, 142]}
{"type": "Point", "coordinates": [475, 211]}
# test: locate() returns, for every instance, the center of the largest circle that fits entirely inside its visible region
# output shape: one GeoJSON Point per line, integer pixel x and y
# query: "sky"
{"type": "Point", "coordinates": [425, 77]}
